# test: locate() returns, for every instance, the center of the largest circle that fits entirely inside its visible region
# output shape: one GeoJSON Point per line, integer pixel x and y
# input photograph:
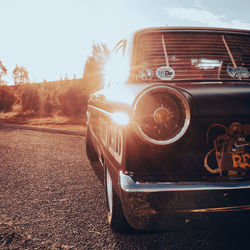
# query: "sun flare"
{"type": "Point", "coordinates": [120, 118]}
{"type": "Point", "coordinates": [116, 70]}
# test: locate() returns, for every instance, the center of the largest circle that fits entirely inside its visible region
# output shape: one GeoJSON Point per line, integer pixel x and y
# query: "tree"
{"type": "Point", "coordinates": [20, 75]}
{"type": "Point", "coordinates": [66, 78]}
{"type": "Point", "coordinates": [31, 100]}
{"type": "Point", "coordinates": [93, 70]}
{"type": "Point", "coordinates": [7, 99]}
{"type": "Point", "coordinates": [73, 101]}
{"type": "Point", "coordinates": [2, 72]}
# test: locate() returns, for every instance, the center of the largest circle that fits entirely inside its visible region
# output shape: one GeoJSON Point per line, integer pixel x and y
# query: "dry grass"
{"type": "Point", "coordinates": [54, 121]}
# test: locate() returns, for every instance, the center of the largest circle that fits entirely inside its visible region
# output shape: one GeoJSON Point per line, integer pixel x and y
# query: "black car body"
{"type": "Point", "coordinates": [173, 136]}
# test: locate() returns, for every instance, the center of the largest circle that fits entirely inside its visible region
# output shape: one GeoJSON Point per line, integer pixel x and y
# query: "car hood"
{"type": "Point", "coordinates": [219, 100]}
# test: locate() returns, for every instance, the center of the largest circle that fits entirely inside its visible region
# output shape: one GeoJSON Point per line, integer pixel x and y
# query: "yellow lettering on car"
{"type": "Point", "coordinates": [245, 158]}
{"type": "Point", "coordinates": [240, 160]}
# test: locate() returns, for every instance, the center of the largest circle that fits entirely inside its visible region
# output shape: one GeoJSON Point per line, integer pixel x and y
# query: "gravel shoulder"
{"type": "Point", "coordinates": [66, 129]}
{"type": "Point", "coordinates": [50, 198]}
{"type": "Point", "coordinates": [43, 186]}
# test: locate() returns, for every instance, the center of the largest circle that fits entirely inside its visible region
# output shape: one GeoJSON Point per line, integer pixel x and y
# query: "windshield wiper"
{"type": "Point", "coordinates": [229, 52]}
{"type": "Point", "coordinates": [165, 50]}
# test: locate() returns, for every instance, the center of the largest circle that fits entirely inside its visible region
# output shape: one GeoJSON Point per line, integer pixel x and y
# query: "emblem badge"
{"type": "Point", "coordinates": [146, 74]}
{"type": "Point", "coordinates": [165, 73]}
{"type": "Point", "coordinates": [238, 72]}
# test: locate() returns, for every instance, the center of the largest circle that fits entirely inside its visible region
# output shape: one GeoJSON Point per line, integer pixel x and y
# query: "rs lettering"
{"type": "Point", "coordinates": [241, 160]}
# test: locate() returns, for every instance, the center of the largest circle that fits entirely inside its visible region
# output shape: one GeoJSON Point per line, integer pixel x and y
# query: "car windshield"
{"type": "Point", "coordinates": [192, 55]}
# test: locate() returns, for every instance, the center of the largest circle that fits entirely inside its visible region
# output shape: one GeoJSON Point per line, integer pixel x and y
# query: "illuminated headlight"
{"type": "Point", "coordinates": [161, 114]}
{"type": "Point", "coordinates": [120, 118]}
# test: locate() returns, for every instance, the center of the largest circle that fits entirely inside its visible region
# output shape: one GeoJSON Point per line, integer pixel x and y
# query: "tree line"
{"type": "Point", "coordinates": [64, 97]}
{"type": "Point", "coordinates": [20, 74]}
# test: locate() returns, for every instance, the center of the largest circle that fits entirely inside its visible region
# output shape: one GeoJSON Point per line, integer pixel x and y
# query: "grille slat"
{"type": "Point", "coordinates": [194, 55]}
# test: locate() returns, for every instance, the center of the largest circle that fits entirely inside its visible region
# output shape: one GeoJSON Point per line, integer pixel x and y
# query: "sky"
{"type": "Point", "coordinates": [52, 38]}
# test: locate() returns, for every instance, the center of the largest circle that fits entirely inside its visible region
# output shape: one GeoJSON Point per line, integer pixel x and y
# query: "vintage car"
{"type": "Point", "coordinates": [171, 127]}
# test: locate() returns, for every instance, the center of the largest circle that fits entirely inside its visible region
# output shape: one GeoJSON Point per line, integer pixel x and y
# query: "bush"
{"type": "Point", "coordinates": [74, 101]}
{"type": "Point", "coordinates": [48, 106]}
{"type": "Point", "coordinates": [31, 101]}
{"type": "Point", "coordinates": [7, 99]}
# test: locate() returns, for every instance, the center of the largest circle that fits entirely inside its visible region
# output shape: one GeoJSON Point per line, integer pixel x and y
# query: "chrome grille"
{"type": "Point", "coordinates": [193, 55]}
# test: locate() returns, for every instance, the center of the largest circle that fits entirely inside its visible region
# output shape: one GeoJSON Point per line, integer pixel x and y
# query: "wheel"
{"type": "Point", "coordinates": [116, 218]}
{"type": "Point", "coordinates": [91, 153]}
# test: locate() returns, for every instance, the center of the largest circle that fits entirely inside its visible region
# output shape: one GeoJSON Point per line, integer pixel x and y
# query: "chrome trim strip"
{"type": "Point", "coordinates": [128, 185]}
{"type": "Point", "coordinates": [194, 30]}
{"type": "Point", "coordinates": [216, 209]}
{"type": "Point", "coordinates": [100, 110]}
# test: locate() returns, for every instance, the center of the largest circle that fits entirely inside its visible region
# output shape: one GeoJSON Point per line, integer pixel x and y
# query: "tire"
{"type": "Point", "coordinates": [116, 218]}
{"type": "Point", "coordinates": [90, 151]}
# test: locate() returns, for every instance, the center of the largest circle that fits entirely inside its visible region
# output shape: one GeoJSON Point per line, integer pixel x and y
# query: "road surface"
{"type": "Point", "coordinates": [51, 198]}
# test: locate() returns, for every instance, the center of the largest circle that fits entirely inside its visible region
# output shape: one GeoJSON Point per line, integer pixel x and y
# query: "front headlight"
{"type": "Point", "coordinates": [162, 115]}
{"type": "Point", "coordinates": [120, 118]}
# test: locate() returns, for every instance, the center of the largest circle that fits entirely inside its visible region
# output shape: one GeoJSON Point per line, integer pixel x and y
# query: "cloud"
{"type": "Point", "coordinates": [205, 18]}
{"type": "Point", "coordinates": [198, 4]}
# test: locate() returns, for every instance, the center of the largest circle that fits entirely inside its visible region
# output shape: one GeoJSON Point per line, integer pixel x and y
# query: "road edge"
{"type": "Point", "coordinates": [42, 129]}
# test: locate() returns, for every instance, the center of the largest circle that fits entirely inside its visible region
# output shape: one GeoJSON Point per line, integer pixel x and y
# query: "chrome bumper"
{"type": "Point", "coordinates": [150, 205]}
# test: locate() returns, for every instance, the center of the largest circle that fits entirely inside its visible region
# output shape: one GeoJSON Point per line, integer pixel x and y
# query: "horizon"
{"type": "Point", "coordinates": [52, 39]}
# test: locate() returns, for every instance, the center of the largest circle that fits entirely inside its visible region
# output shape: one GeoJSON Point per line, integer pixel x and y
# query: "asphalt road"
{"type": "Point", "coordinates": [51, 198]}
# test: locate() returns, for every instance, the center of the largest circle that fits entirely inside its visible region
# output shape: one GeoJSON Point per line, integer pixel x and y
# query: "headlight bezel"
{"type": "Point", "coordinates": [183, 101]}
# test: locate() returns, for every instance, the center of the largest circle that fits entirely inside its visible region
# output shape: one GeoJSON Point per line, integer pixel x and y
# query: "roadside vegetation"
{"type": "Point", "coordinates": [62, 102]}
